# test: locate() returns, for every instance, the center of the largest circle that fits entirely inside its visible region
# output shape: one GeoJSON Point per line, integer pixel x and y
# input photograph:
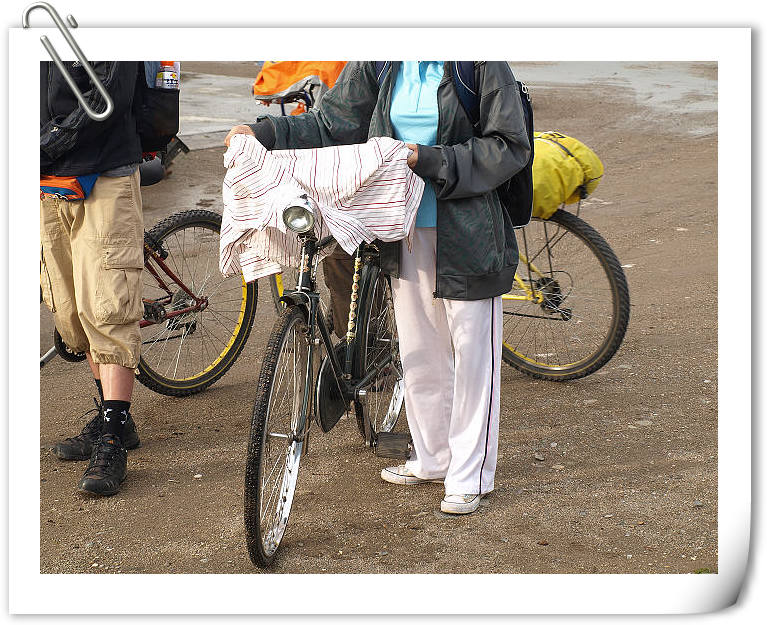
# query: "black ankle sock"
{"type": "Point", "coordinates": [115, 415]}
{"type": "Point", "coordinates": [100, 389]}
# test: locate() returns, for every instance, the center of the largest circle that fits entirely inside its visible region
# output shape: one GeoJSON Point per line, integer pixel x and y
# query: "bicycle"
{"type": "Point", "coordinates": [568, 310]}
{"type": "Point", "coordinates": [363, 369]}
{"type": "Point", "coordinates": [195, 322]}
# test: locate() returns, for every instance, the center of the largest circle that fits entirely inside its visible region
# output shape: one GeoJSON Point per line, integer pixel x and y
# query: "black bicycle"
{"type": "Point", "coordinates": [304, 377]}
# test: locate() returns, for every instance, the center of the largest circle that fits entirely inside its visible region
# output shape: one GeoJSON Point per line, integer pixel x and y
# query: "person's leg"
{"type": "Point", "coordinates": [57, 283]}
{"type": "Point", "coordinates": [476, 328]}
{"type": "Point", "coordinates": [96, 375]}
{"type": "Point", "coordinates": [108, 259]}
{"type": "Point", "coordinates": [56, 277]}
{"type": "Point", "coordinates": [426, 355]}
{"type": "Point", "coordinates": [117, 382]}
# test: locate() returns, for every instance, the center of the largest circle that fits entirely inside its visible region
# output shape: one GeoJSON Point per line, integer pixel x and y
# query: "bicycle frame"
{"type": "Point", "coordinates": [200, 303]}
{"type": "Point", "coordinates": [307, 297]}
{"type": "Point", "coordinates": [530, 292]}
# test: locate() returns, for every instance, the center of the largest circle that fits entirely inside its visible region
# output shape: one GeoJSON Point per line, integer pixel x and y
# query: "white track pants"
{"type": "Point", "coordinates": [451, 354]}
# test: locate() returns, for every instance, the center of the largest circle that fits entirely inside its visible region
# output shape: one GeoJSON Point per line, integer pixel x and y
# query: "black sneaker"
{"type": "Point", "coordinates": [81, 446]}
{"type": "Point", "coordinates": [107, 468]}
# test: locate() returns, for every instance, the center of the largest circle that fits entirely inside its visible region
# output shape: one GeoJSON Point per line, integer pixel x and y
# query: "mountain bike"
{"type": "Point", "coordinates": [297, 385]}
{"type": "Point", "coordinates": [196, 322]}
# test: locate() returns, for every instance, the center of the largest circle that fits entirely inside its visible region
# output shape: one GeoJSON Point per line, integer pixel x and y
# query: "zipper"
{"type": "Point", "coordinates": [393, 66]}
{"type": "Point", "coordinates": [494, 219]}
{"type": "Point", "coordinates": [48, 95]}
{"type": "Point", "coordinates": [441, 87]}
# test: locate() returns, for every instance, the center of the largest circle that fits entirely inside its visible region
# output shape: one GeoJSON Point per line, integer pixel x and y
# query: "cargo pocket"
{"type": "Point", "coordinates": [118, 289]}
{"type": "Point", "coordinates": [46, 288]}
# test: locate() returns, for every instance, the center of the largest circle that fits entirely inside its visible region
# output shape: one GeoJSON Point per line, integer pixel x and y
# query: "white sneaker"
{"type": "Point", "coordinates": [460, 504]}
{"type": "Point", "coordinates": [402, 475]}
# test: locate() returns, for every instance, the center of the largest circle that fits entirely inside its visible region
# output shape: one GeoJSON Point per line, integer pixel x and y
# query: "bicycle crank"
{"type": "Point", "coordinates": [179, 301]}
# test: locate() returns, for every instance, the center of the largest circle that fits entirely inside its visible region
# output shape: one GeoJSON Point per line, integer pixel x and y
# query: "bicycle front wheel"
{"type": "Point", "coordinates": [377, 341]}
{"type": "Point", "coordinates": [276, 436]}
{"type": "Point", "coordinates": [569, 309]}
{"type": "Point", "coordinates": [185, 353]}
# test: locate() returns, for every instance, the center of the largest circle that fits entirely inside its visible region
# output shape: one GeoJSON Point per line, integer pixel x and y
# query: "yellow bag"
{"type": "Point", "coordinates": [564, 171]}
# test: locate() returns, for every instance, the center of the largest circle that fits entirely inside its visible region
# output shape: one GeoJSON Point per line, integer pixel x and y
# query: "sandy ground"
{"type": "Point", "coordinates": [637, 440]}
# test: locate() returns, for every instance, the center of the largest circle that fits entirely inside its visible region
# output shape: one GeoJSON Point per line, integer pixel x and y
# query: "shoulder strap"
{"type": "Point", "coordinates": [381, 68]}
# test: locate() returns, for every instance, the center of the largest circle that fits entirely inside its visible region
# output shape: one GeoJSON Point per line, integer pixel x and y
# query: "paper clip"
{"type": "Point", "coordinates": [78, 53]}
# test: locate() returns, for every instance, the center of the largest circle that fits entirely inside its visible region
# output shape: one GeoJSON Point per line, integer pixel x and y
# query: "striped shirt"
{"type": "Point", "coordinates": [360, 192]}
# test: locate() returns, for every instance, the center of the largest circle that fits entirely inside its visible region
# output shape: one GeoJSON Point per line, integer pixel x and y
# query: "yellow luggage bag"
{"type": "Point", "coordinates": [565, 171]}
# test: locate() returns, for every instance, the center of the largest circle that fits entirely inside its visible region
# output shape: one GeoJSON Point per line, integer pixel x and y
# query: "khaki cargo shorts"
{"type": "Point", "coordinates": [90, 271]}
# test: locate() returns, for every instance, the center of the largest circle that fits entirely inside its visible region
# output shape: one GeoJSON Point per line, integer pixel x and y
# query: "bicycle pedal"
{"type": "Point", "coordinates": [391, 445]}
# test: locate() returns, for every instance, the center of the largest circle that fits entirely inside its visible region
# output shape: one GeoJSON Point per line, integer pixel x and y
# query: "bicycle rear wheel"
{"type": "Point", "coordinates": [185, 354]}
{"type": "Point", "coordinates": [376, 339]}
{"type": "Point", "coordinates": [276, 436]}
{"type": "Point", "coordinates": [569, 309]}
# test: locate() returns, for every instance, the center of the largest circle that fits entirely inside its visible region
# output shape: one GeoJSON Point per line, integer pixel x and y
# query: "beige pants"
{"type": "Point", "coordinates": [90, 272]}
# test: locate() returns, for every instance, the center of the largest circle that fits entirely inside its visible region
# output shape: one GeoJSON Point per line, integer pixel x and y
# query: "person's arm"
{"type": "Point", "coordinates": [341, 117]}
{"type": "Point", "coordinates": [481, 164]}
{"type": "Point", "coordinates": [63, 132]}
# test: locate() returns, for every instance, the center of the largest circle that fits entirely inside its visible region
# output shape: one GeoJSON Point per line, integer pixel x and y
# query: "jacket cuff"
{"type": "Point", "coordinates": [264, 131]}
{"type": "Point", "coordinates": [429, 161]}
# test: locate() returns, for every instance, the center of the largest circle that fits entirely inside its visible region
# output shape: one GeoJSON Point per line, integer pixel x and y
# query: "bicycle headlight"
{"type": "Point", "coordinates": [299, 216]}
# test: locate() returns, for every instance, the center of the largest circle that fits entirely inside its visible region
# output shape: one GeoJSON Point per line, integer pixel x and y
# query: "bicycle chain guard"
{"type": "Point", "coordinates": [329, 404]}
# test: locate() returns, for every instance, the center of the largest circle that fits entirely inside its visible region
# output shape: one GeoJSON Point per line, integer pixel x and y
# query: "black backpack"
{"type": "Point", "coordinates": [516, 194]}
{"type": "Point", "coordinates": [157, 109]}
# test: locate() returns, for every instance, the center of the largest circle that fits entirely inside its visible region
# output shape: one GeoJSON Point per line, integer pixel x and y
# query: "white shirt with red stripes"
{"type": "Point", "coordinates": [360, 192]}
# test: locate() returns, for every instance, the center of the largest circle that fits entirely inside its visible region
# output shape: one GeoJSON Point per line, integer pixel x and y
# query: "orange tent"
{"type": "Point", "coordinates": [277, 79]}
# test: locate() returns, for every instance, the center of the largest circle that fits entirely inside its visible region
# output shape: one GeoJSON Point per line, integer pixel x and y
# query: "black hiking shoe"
{"type": "Point", "coordinates": [107, 468]}
{"type": "Point", "coordinates": [80, 447]}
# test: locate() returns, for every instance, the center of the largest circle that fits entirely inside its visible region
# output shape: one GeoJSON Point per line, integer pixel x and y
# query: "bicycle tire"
{"type": "Point", "coordinates": [542, 365]}
{"type": "Point", "coordinates": [376, 333]}
{"type": "Point", "coordinates": [191, 238]}
{"type": "Point", "coordinates": [276, 287]}
{"type": "Point", "coordinates": [264, 532]}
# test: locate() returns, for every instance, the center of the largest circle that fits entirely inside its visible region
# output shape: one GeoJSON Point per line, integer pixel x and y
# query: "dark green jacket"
{"type": "Point", "coordinates": [476, 247]}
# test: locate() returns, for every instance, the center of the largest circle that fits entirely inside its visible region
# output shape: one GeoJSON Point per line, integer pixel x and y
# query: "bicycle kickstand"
{"type": "Point", "coordinates": [47, 357]}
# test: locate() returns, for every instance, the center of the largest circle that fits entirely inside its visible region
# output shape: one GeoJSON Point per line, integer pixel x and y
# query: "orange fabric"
{"type": "Point", "coordinates": [67, 183]}
{"type": "Point", "coordinates": [276, 77]}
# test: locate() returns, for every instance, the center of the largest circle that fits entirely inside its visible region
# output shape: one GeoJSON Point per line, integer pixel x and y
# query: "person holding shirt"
{"type": "Point", "coordinates": [463, 257]}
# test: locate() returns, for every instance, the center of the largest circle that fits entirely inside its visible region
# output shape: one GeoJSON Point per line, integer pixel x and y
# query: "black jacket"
{"type": "Point", "coordinates": [476, 247]}
{"type": "Point", "coordinates": [71, 143]}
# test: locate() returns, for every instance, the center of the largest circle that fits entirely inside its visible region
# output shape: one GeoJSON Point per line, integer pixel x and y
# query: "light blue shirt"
{"type": "Point", "coordinates": [414, 117]}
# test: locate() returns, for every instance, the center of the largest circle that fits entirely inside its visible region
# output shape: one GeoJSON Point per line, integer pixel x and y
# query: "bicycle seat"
{"type": "Point", "coordinates": [299, 95]}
